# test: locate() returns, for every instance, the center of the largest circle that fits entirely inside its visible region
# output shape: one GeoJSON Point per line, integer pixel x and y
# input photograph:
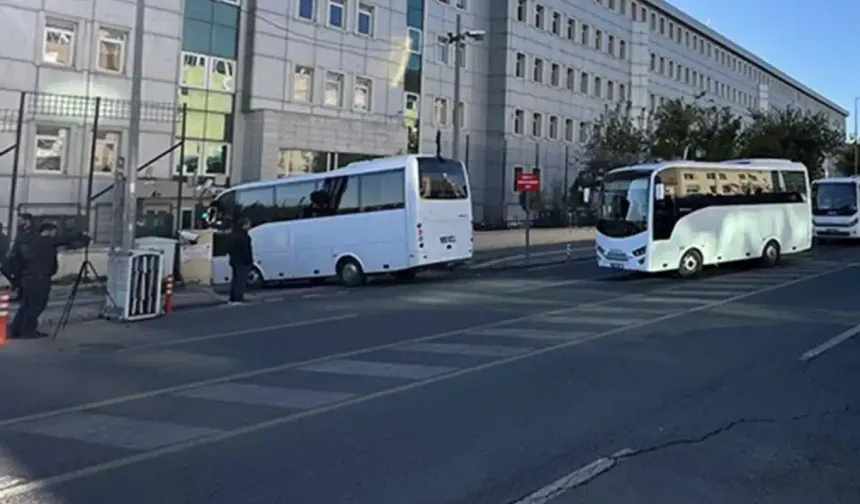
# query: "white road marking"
{"type": "Point", "coordinates": [464, 349]}
{"type": "Point", "coordinates": [689, 293]}
{"type": "Point", "coordinates": [669, 300]}
{"type": "Point", "coordinates": [113, 431]}
{"type": "Point", "coordinates": [830, 344]}
{"type": "Point", "coordinates": [574, 479]}
{"type": "Point", "coordinates": [532, 334]}
{"type": "Point", "coordinates": [260, 395]}
{"type": "Point", "coordinates": [95, 469]}
{"type": "Point", "coordinates": [585, 319]}
{"type": "Point", "coordinates": [377, 369]}
{"type": "Point", "coordinates": [239, 332]}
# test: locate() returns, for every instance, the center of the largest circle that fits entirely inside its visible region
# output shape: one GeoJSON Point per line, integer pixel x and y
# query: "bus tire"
{"type": "Point", "coordinates": [254, 280]}
{"type": "Point", "coordinates": [770, 253]}
{"type": "Point", "coordinates": [350, 273]}
{"type": "Point", "coordinates": [691, 264]}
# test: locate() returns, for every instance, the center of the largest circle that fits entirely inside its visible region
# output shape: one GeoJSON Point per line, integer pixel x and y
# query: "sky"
{"type": "Point", "coordinates": [810, 41]}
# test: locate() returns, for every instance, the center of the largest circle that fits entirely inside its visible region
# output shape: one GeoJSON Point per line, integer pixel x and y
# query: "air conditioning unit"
{"type": "Point", "coordinates": [134, 286]}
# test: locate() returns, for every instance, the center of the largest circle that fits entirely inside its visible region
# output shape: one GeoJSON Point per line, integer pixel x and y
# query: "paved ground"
{"type": "Point", "coordinates": [500, 387]}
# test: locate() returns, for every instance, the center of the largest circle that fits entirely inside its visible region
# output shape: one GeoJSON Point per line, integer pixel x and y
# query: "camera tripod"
{"type": "Point", "coordinates": [84, 273]}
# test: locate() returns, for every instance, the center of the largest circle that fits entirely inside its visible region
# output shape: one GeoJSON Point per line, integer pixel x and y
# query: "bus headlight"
{"type": "Point", "coordinates": [853, 222]}
{"type": "Point", "coordinates": [639, 252]}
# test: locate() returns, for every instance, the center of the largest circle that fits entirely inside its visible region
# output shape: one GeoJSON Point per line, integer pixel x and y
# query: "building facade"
{"type": "Point", "coordinates": [272, 88]}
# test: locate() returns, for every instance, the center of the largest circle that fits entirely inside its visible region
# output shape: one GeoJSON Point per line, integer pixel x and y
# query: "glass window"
{"type": "Point", "coordinates": [343, 194]}
{"type": "Point", "coordinates": [303, 78]}
{"type": "Point", "coordinates": [194, 70]}
{"type": "Point", "coordinates": [107, 147]}
{"type": "Point", "coordinates": [442, 179]}
{"type": "Point", "coordinates": [415, 41]}
{"type": "Point", "coordinates": [382, 191]}
{"type": "Point", "coordinates": [197, 36]}
{"type": "Point", "coordinates": [111, 57]}
{"type": "Point", "coordinates": [50, 149]}
{"type": "Point", "coordinates": [306, 9]}
{"type": "Point", "coordinates": [365, 19]}
{"type": "Point", "coordinates": [334, 89]}
{"type": "Point", "coordinates": [224, 41]}
{"type": "Point", "coordinates": [795, 182]}
{"type": "Point", "coordinates": [217, 158]}
{"type": "Point", "coordinates": [199, 9]}
{"type": "Point", "coordinates": [336, 13]}
{"type": "Point", "coordinates": [291, 200]}
{"type": "Point", "coordinates": [59, 43]}
{"type": "Point", "coordinates": [224, 14]}
{"type": "Point", "coordinates": [255, 204]}
{"type": "Point", "coordinates": [363, 94]}
{"type": "Point", "coordinates": [221, 75]}
{"type": "Point", "coordinates": [440, 111]}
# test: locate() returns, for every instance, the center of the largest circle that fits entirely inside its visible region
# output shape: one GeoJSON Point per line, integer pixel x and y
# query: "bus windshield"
{"type": "Point", "coordinates": [835, 198]}
{"type": "Point", "coordinates": [221, 211]}
{"type": "Point", "coordinates": [624, 203]}
{"type": "Point", "coordinates": [442, 179]}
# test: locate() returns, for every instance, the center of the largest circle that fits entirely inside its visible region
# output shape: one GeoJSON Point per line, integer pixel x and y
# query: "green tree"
{"type": "Point", "coordinates": [844, 159]}
{"type": "Point", "coordinates": [616, 140]}
{"type": "Point", "coordinates": [717, 133]}
{"type": "Point", "coordinates": [674, 129]}
{"type": "Point", "coordinates": [791, 134]}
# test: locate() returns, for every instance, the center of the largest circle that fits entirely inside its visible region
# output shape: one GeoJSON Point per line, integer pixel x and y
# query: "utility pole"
{"type": "Point", "coordinates": [130, 214]}
{"type": "Point", "coordinates": [458, 40]}
{"type": "Point", "coordinates": [856, 158]}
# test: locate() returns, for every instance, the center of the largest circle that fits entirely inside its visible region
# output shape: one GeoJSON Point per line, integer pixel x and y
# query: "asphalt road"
{"type": "Point", "coordinates": [549, 384]}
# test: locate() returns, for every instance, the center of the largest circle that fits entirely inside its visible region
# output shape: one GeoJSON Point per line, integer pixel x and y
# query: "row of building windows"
{"type": "Point", "coordinates": [700, 81]}
{"type": "Point", "coordinates": [59, 46]}
{"type": "Point", "coordinates": [556, 24]}
{"type": "Point", "coordinates": [356, 17]}
{"type": "Point", "coordinates": [567, 77]}
{"type": "Point", "coordinates": [334, 90]}
{"type": "Point", "coordinates": [550, 127]}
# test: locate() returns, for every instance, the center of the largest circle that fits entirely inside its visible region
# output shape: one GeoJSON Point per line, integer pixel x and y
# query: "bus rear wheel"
{"type": "Point", "coordinates": [350, 273]}
{"type": "Point", "coordinates": [770, 254]}
{"type": "Point", "coordinates": [691, 264]}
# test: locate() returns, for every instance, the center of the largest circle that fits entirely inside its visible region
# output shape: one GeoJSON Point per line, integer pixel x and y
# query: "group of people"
{"type": "Point", "coordinates": [29, 265]}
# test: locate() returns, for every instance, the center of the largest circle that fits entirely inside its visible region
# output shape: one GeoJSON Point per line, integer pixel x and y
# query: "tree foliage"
{"type": "Point", "coordinates": [844, 159]}
{"type": "Point", "coordinates": [681, 129]}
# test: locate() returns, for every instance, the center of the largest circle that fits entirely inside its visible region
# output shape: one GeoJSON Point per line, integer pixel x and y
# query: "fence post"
{"type": "Point", "coordinates": [93, 140]}
{"type": "Point", "coordinates": [181, 178]}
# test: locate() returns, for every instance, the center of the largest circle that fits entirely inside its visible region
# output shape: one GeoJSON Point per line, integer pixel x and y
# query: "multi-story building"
{"type": "Point", "coordinates": [278, 87]}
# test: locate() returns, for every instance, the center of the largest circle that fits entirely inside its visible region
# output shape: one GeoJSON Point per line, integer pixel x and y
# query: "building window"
{"type": "Point", "coordinates": [306, 9]}
{"type": "Point", "coordinates": [522, 7]}
{"type": "Point", "coordinates": [539, 10]}
{"type": "Point", "coordinates": [622, 92]}
{"type": "Point", "coordinates": [412, 104]}
{"type": "Point", "coordinates": [553, 127]}
{"type": "Point", "coordinates": [440, 111]}
{"type": "Point", "coordinates": [610, 45]}
{"type": "Point", "coordinates": [363, 94]}
{"type": "Point", "coordinates": [610, 90]}
{"type": "Point", "coordinates": [571, 29]}
{"type": "Point", "coordinates": [221, 75]}
{"type": "Point", "coordinates": [107, 147]}
{"type": "Point", "coordinates": [415, 41]}
{"type": "Point", "coordinates": [537, 70]}
{"type": "Point", "coordinates": [365, 20]}
{"type": "Point", "coordinates": [194, 69]}
{"type": "Point", "coordinates": [555, 75]}
{"type": "Point", "coordinates": [216, 158]}
{"type": "Point", "coordinates": [461, 4]}
{"type": "Point", "coordinates": [653, 65]}
{"type": "Point", "coordinates": [443, 51]}
{"type": "Point", "coordinates": [460, 115]}
{"type": "Point", "coordinates": [568, 130]}
{"type": "Point", "coordinates": [59, 43]}
{"type": "Point", "coordinates": [519, 121]}
{"type": "Point", "coordinates": [303, 84]}
{"type": "Point", "coordinates": [537, 125]}
{"type": "Point", "coordinates": [50, 149]}
{"type": "Point", "coordinates": [520, 66]}
{"type": "Point", "coordinates": [622, 49]}
{"type": "Point", "coordinates": [333, 89]}
{"type": "Point", "coordinates": [583, 83]}
{"type": "Point", "coordinates": [556, 23]}
{"type": "Point", "coordinates": [111, 57]}
{"type": "Point", "coordinates": [598, 87]}
{"type": "Point", "coordinates": [337, 13]}
{"type": "Point", "coordinates": [583, 35]}
{"type": "Point", "coordinates": [570, 79]}
{"type": "Point", "coordinates": [598, 40]}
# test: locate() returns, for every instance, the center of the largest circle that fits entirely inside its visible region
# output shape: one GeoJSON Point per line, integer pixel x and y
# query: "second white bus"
{"type": "Point", "coordinates": [681, 216]}
{"type": "Point", "coordinates": [396, 215]}
{"type": "Point", "coordinates": [834, 208]}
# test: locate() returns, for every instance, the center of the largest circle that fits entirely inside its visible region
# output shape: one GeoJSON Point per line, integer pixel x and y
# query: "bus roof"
{"type": "Point", "coordinates": [356, 168]}
{"type": "Point", "coordinates": [733, 164]}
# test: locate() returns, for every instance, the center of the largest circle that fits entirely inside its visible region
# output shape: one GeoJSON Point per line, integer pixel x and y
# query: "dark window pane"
{"type": "Point", "coordinates": [255, 204]}
{"type": "Point", "coordinates": [343, 192]}
{"type": "Point", "coordinates": [335, 14]}
{"type": "Point", "coordinates": [196, 36]}
{"type": "Point", "coordinates": [224, 14]}
{"type": "Point", "coordinates": [291, 200]}
{"type": "Point", "coordinates": [442, 179]}
{"type": "Point", "coordinates": [382, 191]}
{"type": "Point", "coordinates": [199, 9]}
{"type": "Point", "coordinates": [224, 42]}
{"type": "Point", "coordinates": [414, 18]}
{"type": "Point", "coordinates": [414, 61]}
{"type": "Point", "coordinates": [306, 9]}
{"type": "Point", "coordinates": [364, 25]}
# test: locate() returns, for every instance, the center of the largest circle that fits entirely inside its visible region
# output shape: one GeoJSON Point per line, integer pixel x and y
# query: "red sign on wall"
{"type": "Point", "coordinates": [527, 182]}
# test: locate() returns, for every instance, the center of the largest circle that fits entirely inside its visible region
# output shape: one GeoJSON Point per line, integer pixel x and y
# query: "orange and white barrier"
{"type": "Point", "coordinates": [168, 295]}
{"type": "Point", "coordinates": [4, 316]}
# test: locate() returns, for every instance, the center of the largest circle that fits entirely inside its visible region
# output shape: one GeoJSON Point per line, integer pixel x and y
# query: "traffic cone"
{"type": "Point", "coordinates": [4, 316]}
{"type": "Point", "coordinates": [168, 295]}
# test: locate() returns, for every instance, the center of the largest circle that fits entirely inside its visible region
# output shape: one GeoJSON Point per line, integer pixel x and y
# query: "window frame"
{"type": "Point", "coordinates": [537, 125]}
{"type": "Point", "coordinates": [344, 9]}
{"type": "Point", "coordinates": [313, 7]}
{"type": "Point", "coordinates": [56, 26]}
{"type": "Point", "coordinates": [64, 151]}
{"type": "Point", "coordinates": [441, 103]}
{"type": "Point", "coordinates": [366, 83]}
{"type": "Point", "coordinates": [117, 145]}
{"type": "Point", "coordinates": [519, 119]}
{"type": "Point", "coordinates": [123, 48]}
{"type": "Point", "coordinates": [310, 79]}
{"type": "Point", "coordinates": [340, 78]}
{"type": "Point", "coordinates": [369, 11]}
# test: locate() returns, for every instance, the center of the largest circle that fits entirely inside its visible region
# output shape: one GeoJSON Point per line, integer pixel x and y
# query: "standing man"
{"type": "Point", "coordinates": [12, 264]}
{"type": "Point", "coordinates": [38, 256]}
{"type": "Point", "coordinates": [241, 259]}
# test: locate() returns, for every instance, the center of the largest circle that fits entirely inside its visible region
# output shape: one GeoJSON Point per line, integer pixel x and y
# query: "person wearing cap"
{"type": "Point", "coordinates": [40, 264]}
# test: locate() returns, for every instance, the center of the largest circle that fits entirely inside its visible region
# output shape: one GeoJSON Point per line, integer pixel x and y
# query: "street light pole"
{"type": "Point", "coordinates": [458, 62]}
{"type": "Point", "coordinates": [130, 213]}
{"type": "Point", "coordinates": [856, 159]}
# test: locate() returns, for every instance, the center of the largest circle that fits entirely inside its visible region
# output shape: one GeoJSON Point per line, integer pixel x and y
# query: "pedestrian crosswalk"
{"type": "Point", "coordinates": [326, 382]}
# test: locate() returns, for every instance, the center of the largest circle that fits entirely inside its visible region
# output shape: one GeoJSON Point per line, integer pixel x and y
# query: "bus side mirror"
{"type": "Point", "coordinates": [659, 192]}
{"type": "Point", "coordinates": [586, 194]}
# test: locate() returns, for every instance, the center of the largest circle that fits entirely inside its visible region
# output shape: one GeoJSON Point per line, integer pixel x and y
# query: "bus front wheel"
{"type": "Point", "coordinates": [770, 254]}
{"type": "Point", "coordinates": [691, 264]}
{"type": "Point", "coordinates": [350, 273]}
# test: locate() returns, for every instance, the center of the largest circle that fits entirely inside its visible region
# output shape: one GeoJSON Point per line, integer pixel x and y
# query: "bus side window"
{"type": "Point", "coordinates": [292, 199]}
{"type": "Point", "coordinates": [257, 205]}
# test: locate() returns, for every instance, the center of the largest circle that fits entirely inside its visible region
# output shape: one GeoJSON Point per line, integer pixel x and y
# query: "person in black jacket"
{"type": "Point", "coordinates": [38, 256]}
{"type": "Point", "coordinates": [12, 264]}
{"type": "Point", "coordinates": [241, 255]}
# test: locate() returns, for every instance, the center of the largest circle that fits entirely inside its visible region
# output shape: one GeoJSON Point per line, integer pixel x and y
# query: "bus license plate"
{"type": "Point", "coordinates": [617, 265]}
